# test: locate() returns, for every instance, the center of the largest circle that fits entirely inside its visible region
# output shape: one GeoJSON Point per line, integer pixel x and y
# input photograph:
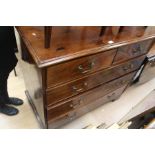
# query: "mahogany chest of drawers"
{"type": "Point", "coordinates": [79, 72]}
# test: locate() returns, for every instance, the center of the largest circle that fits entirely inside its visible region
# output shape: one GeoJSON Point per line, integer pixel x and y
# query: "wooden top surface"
{"type": "Point", "coordinates": [72, 42]}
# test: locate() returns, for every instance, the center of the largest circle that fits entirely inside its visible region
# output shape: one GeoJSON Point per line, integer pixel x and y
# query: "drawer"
{"type": "Point", "coordinates": [70, 116]}
{"type": "Point", "coordinates": [77, 68]}
{"type": "Point", "coordinates": [87, 97]}
{"type": "Point", "coordinates": [88, 82]}
{"type": "Point", "coordinates": [130, 51]}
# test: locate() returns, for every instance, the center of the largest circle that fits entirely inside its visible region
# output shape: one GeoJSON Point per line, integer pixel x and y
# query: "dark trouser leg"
{"type": "Point", "coordinates": [5, 109]}
{"type": "Point", "coordinates": [4, 97]}
{"type": "Point", "coordinates": [3, 87]}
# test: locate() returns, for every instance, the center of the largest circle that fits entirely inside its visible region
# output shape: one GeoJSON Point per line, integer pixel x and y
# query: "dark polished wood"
{"type": "Point", "coordinates": [80, 70]}
{"type": "Point", "coordinates": [34, 109]}
{"type": "Point", "coordinates": [72, 115]}
{"type": "Point", "coordinates": [35, 86]}
{"type": "Point", "coordinates": [79, 41]}
{"type": "Point", "coordinates": [91, 81]}
{"type": "Point", "coordinates": [88, 97]}
{"type": "Point", "coordinates": [74, 69]}
{"type": "Point", "coordinates": [130, 51]}
{"type": "Point", "coordinates": [47, 33]}
{"type": "Point", "coordinates": [103, 28]}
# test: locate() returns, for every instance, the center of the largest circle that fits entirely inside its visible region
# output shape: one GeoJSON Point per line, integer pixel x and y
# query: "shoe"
{"type": "Point", "coordinates": [15, 101]}
{"type": "Point", "coordinates": [8, 110]}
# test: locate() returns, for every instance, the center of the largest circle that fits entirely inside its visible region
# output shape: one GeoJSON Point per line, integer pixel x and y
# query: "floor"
{"type": "Point", "coordinates": [25, 119]}
{"type": "Point", "coordinates": [109, 113]}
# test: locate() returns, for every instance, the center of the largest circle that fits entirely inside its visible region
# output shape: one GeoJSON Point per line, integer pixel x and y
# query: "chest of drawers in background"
{"type": "Point", "coordinates": [63, 91]}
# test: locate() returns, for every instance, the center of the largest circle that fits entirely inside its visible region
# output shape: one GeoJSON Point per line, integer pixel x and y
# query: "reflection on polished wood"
{"type": "Point", "coordinates": [80, 67]}
{"type": "Point", "coordinates": [77, 41]}
{"type": "Point", "coordinates": [47, 33]}
{"type": "Point", "coordinates": [90, 81]}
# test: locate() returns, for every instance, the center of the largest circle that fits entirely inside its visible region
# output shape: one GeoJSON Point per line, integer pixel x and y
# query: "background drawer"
{"type": "Point", "coordinates": [67, 117]}
{"type": "Point", "coordinates": [74, 88]}
{"type": "Point", "coordinates": [130, 51]}
{"type": "Point", "coordinates": [77, 68]}
{"type": "Point", "coordinates": [88, 97]}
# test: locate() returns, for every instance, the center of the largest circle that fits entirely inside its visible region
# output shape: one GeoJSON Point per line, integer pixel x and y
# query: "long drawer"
{"type": "Point", "coordinates": [88, 97]}
{"type": "Point", "coordinates": [70, 116]}
{"type": "Point", "coordinates": [77, 68]}
{"type": "Point", "coordinates": [79, 86]}
{"type": "Point", "coordinates": [130, 51]}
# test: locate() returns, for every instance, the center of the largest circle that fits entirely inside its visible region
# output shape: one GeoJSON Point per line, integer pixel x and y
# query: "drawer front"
{"type": "Point", "coordinates": [79, 86]}
{"type": "Point", "coordinates": [130, 51]}
{"type": "Point", "coordinates": [70, 116]}
{"type": "Point", "coordinates": [87, 97]}
{"type": "Point", "coordinates": [67, 71]}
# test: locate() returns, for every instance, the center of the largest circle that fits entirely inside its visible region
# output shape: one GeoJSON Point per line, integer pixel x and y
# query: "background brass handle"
{"type": "Point", "coordinates": [71, 116]}
{"type": "Point", "coordinates": [121, 83]}
{"type": "Point", "coordinates": [127, 68]}
{"type": "Point", "coordinates": [74, 105]}
{"type": "Point", "coordinates": [82, 69]}
{"type": "Point", "coordinates": [137, 50]}
{"type": "Point", "coordinates": [79, 89]}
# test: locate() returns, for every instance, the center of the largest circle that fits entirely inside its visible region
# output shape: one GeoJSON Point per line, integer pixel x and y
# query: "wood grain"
{"type": "Point", "coordinates": [88, 82]}
{"type": "Point", "coordinates": [77, 42]}
{"type": "Point", "coordinates": [79, 68]}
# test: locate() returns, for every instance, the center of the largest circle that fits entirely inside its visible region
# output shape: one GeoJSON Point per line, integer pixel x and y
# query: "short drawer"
{"type": "Point", "coordinates": [77, 68]}
{"type": "Point", "coordinates": [58, 119]}
{"type": "Point", "coordinates": [88, 97]}
{"type": "Point", "coordinates": [79, 86]}
{"type": "Point", "coordinates": [130, 51]}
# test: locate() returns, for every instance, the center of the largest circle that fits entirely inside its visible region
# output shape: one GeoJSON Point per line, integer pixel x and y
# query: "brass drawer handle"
{"type": "Point", "coordinates": [82, 69]}
{"type": "Point", "coordinates": [79, 89]}
{"type": "Point", "coordinates": [120, 83]}
{"type": "Point", "coordinates": [128, 68]}
{"type": "Point", "coordinates": [71, 116]}
{"type": "Point", "coordinates": [75, 105]}
{"type": "Point", "coordinates": [123, 82]}
{"type": "Point", "coordinates": [137, 50]}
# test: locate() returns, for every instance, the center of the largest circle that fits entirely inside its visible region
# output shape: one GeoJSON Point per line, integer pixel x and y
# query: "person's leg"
{"type": "Point", "coordinates": [10, 100]}
{"type": "Point", "coordinates": [3, 86]}
{"type": "Point", "coordinates": [5, 90]}
{"type": "Point", "coordinates": [8, 110]}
